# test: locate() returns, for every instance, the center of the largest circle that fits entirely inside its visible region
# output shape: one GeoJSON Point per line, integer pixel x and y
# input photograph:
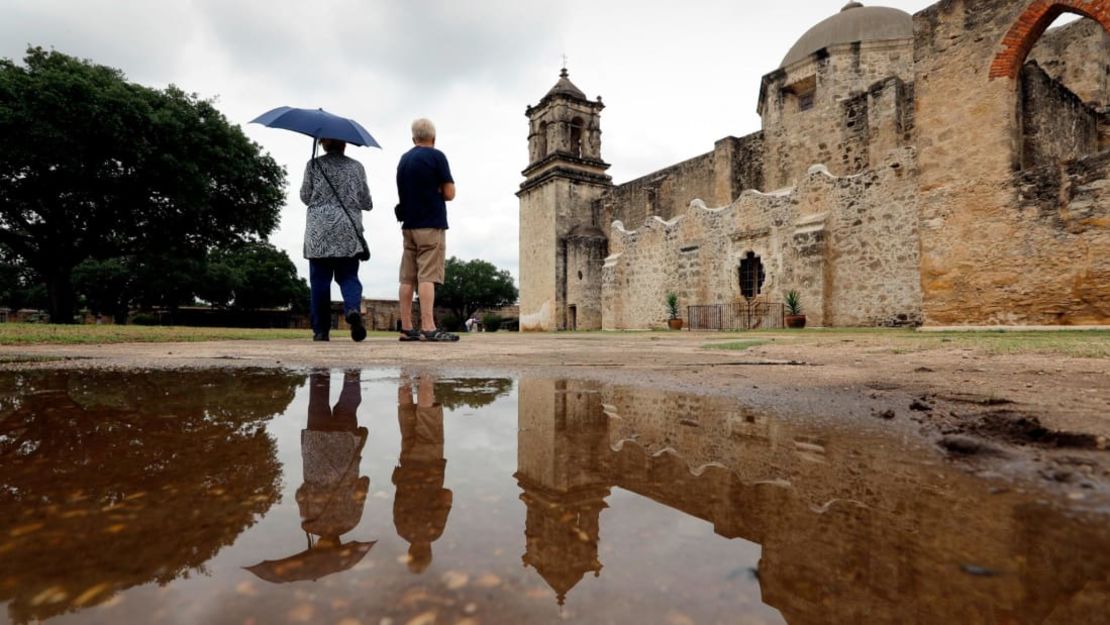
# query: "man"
{"type": "Point", "coordinates": [424, 186]}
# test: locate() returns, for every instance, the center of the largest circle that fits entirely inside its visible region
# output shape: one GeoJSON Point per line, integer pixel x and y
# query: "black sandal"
{"type": "Point", "coordinates": [439, 336]}
{"type": "Point", "coordinates": [410, 335]}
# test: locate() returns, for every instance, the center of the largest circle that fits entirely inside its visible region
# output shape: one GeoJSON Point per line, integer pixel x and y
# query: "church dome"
{"type": "Point", "coordinates": [855, 22]}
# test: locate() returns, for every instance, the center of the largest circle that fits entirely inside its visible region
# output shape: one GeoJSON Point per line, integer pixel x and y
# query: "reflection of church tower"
{"type": "Point", "coordinates": [562, 247]}
{"type": "Point", "coordinates": [562, 444]}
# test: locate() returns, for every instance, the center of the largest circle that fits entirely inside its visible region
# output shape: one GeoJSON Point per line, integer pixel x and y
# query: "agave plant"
{"type": "Point", "coordinates": [672, 305]}
{"type": "Point", "coordinates": [793, 303]}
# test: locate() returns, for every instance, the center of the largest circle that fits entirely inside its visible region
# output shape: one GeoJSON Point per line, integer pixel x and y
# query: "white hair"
{"type": "Point", "coordinates": [423, 130]}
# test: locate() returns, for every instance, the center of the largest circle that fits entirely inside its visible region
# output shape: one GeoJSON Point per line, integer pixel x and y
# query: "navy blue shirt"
{"type": "Point", "coordinates": [421, 174]}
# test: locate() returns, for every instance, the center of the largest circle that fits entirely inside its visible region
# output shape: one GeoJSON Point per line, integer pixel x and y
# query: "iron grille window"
{"type": "Point", "coordinates": [751, 275]}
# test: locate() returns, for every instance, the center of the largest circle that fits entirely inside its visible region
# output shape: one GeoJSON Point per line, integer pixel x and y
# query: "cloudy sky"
{"type": "Point", "coordinates": [675, 77]}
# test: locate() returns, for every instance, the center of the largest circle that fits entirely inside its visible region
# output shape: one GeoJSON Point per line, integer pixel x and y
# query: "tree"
{"type": "Point", "coordinates": [106, 286]}
{"type": "Point", "coordinates": [95, 167]}
{"type": "Point", "coordinates": [472, 285]}
{"type": "Point", "coordinates": [252, 276]}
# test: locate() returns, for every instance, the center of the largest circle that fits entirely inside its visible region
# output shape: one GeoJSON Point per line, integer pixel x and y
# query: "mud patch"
{"type": "Point", "coordinates": [1019, 429]}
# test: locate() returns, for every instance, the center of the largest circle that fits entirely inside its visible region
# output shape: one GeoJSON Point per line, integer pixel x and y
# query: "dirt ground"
{"type": "Point", "coordinates": [1022, 414]}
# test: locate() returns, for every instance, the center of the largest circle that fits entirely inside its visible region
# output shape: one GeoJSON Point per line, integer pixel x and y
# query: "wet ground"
{"type": "Point", "coordinates": [382, 497]}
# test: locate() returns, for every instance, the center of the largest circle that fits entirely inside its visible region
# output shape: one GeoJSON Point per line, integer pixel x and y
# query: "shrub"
{"type": "Point", "coordinates": [491, 322]}
{"type": "Point", "coordinates": [145, 319]}
{"type": "Point", "coordinates": [451, 323]}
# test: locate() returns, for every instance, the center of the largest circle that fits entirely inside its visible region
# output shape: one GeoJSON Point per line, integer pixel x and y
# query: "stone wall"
{"type": "Point", "coordinates": [538, 283]}
{"type": "Point", "coordinates": [665, 192]}
{"type": "Point", "coordinates": [834, 129]}
{"type": "Point", "coordinates": [848, 245]}
{"type": "Point", "coordinates": [718, 177]}
{"type": "Point", "coordinates": [985, 257]}
{"type": "Point", "coordinates": [1077, 55]}
{"type": "Point", "coordinates": [1056, 125]}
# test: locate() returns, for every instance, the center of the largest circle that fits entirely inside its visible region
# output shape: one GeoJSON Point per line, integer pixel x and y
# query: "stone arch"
{"type": "Point", "coordinates": [577, 129]}
{"type": "Point", "coordinates": [1033, 22]}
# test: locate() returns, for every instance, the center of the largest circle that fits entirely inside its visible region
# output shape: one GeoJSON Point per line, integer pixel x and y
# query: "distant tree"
{"type": "Point", "coordinates": [95, 167]}
{"type": "Point", "coordinates": [105, 285]}
{"type": "Point", "coordinates": [252, 276]}
{"type": "Point", "coordinates": [19, 287]}
{"type": "Point", "coordinates": [472, 285]}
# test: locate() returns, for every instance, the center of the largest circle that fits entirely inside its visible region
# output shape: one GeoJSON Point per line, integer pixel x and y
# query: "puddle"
{"type": "Point", "coordinates": [370, 498]}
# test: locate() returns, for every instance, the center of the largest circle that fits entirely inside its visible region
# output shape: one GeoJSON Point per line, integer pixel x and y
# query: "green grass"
{"type": "Point", "coordinates": [1077, 343]}
{"type": "Point", "coordinates": [35, 333]}
{"type": "Point", "coordinates": [734, 345]}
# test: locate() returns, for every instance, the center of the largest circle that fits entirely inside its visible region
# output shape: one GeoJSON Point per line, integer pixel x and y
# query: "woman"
{"type": "Point", "coordinates": [336, 193]}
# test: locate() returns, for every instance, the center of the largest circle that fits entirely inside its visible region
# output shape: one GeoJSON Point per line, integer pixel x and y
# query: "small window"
{"type": "Point", "coordinates": [805, 101]}
{"type": "Point", "coordinates": [751, 275]}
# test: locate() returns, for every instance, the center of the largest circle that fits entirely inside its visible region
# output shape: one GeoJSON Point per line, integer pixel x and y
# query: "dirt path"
{"type": "Point", "coordinates": [1045, 416]}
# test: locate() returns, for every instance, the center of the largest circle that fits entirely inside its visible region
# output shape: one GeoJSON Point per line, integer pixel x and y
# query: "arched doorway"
{"type": "Point", "coordinates": [1032, 23]}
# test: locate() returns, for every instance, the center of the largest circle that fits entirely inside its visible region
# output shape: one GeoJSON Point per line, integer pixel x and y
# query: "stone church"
{"type": "Point", "coordinates": [950, 167]}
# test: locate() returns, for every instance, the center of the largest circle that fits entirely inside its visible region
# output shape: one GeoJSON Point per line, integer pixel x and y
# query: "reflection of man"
{"type": "Point", "coordinates": [332, 495]}
{"type": "Point", "coordinates": [421, 503]}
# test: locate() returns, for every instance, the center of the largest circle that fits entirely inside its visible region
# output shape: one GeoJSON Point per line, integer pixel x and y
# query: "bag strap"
{"type": "Point", "coordinates": [361, 239]}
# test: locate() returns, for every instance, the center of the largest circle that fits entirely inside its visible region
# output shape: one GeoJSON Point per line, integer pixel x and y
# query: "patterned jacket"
{"type": "Point", "coordinates": [328, 233]}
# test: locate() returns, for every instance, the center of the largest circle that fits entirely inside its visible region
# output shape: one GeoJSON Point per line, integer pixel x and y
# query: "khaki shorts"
{"type": "Point", "coordinates": [425, 255]}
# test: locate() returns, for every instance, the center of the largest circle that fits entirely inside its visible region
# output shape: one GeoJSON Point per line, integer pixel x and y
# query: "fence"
{"type": "Point", "coordinates": [735, 316]}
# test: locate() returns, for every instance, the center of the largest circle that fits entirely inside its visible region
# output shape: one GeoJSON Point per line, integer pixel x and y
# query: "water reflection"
{"type": "Point", "coordinates": [332, 495]}
{"type": "Point", "coordinates": [852, 528]}
{"type": "Point", "coordinates": [625, 505]}
{"type": "Point", "coordinates": [114, 480]}
{"type": "Point", "coordinates": [421, 503]}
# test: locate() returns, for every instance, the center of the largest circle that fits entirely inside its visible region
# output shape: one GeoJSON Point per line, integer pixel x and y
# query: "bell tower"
{"type": "Point", "coordinates": [562, 245]}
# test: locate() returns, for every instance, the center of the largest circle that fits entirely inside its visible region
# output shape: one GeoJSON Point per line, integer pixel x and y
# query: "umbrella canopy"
{"type": "Point", "coordinates": [312, 564]}
{"type": "Point", "coordinates": [316, 123]}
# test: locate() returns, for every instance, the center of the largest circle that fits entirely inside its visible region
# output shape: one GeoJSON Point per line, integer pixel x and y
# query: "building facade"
{"type": "Point", "coordinates": [946, 168]}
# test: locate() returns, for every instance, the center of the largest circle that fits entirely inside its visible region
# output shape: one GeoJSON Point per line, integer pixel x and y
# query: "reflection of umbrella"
{"type": "Point", "coordinates": [316, 123]}
{"type": "Point", "coordinates": [312, 563]}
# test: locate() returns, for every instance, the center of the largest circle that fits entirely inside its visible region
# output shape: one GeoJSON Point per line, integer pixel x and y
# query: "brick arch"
{"type": "Point", "coordinates": [1036, 18]}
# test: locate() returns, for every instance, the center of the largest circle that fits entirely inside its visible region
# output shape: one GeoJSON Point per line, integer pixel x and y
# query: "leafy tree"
{"type": "Point", "coordinates": [19, 287]}
{"type": "Point", "coordinates": [252, 276]}
{"type": "Point", "coordinates": [472, 285]}
{"type": "Point", "coordinates": [106, 286]}
{"type": "Point", "coordinates": [95, 167]}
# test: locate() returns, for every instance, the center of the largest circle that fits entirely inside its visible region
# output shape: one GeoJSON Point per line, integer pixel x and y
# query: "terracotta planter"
{"type": "Point", "coordinates": [795, 321]}
{"type": "Point", "coordinates": [674, 324]}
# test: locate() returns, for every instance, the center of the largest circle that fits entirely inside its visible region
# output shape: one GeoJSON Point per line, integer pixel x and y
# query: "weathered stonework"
{"type": "Point", "coordinates": [847, 245]}
{"type": "Point", "coordinates": [996, 246]}
{"type": "Point", "coordinates": [945, 168]}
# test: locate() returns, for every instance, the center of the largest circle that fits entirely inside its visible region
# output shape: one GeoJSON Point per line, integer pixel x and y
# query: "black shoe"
{"type": "Point", "coordinates": [358, 331]}
{"type": "Point", "coordinates": [320, 336]}
{"type": "Point", "coordinates": [410, 335]}
{"type": "Point", "coordinates": [439, 336]}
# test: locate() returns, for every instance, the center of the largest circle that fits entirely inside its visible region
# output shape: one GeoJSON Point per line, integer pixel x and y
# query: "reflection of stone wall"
{"type": "Point", "coordinates": [848, 245]}
{"type": "Point", "coordinates": [853, 528]}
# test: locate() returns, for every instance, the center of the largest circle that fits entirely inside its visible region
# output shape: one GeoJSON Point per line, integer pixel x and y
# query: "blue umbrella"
{"type": "Point", "coordinates": [317, 123]}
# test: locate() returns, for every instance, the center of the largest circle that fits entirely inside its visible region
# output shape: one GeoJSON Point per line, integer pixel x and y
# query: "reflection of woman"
{"type": "Point", "coordinates": [332, 495]}
{"type": "Point", "coordinates": [421, 503]}
{"type": "Point", "coordinates": [335, 191]}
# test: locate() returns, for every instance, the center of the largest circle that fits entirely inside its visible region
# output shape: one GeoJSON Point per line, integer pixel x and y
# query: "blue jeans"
{"type": "Point", "coordinates": [320, 274]}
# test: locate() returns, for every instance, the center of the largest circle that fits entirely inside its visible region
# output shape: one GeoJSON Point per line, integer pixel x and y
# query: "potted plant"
{"type": "Point", "coordinates": [673, 322]}
{"type": "Point", "coordinates": [794, 317]}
